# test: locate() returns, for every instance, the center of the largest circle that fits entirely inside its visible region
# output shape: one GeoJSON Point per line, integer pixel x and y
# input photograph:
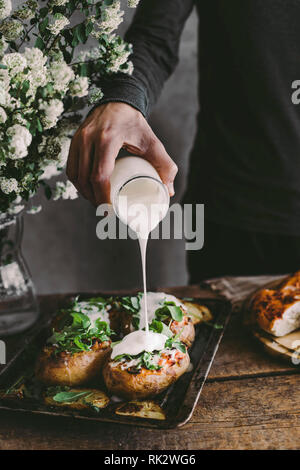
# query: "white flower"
{"type": "Point", "coordinates": [20, 140]}
{"type": "Point", "coordinates": [4, 88]}
{"type": "Point", "coordinates": [36, 77]}
{"type": "Point", "coordinates": [79, 87]}
{"type": "Point", "coordinates": [5, 8]}
{"type": "Point", "coordinates": [95, 95]}
{"type": "Point", "coordinates": [15, 63]}
{"type": "Point", "coordinates": [56, 151]}
{"type": "Point", "coordinates": [50, 170]}
{"type": "Point", "coordinates": [61, 74]}
{"type": "Point", "coordinates": [11, 29]}
{"type": "Point", "coordinates": [26, 11]}
{"type": "Point", "coordinates": [35, 58]}
{"type": "Point", "coordinates": [8, 185]}
{"type": "Point", "coordinates": [3, 116]}
{"type": "Point", "coordinates": [58, 3]}
{"type": "Point", "coordinates": [133, 3]}
{"type": "Point", "coordinates": [57, 23]}
{"type": "Point", "coordinates": [15, 209]}
{"type": "Point", "coordinates": [111, 18]}
{"type": "Point", "coordinates": [3, 46]}
{"type": "Point", "coordinates": [34, 210]}
{"type": "Point", "coordinates": [52, 111]}
{"type": "Point", "coordinates": [65, 191]}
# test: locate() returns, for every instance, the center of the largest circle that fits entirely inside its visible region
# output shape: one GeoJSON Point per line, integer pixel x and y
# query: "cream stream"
{"type": "Point", "coordinates": [141, 204]}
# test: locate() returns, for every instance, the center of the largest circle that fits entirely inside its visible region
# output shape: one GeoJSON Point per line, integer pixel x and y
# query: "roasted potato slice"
{"type": "Point", "coordinates": [141, 409]}
{"type": "Point", "coordinates": [144, 383]}
{"type": "Point", "coordinates": [197, 313]}
{"type": "Point", "coordinates": [87, 398]}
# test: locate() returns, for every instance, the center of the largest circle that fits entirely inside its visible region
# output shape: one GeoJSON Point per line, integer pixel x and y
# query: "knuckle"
{"type": "Point", "coordinates": [97, 178]}
{"type": "Point", "coordinates": [173, 169]}
{"type": "Point", "coordinates": [84, 133]}
{"type": "Point", "coordinates": [105, 135]}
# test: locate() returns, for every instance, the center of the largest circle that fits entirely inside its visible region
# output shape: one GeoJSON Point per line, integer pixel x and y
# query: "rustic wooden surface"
{"type": "Point", "coordinates": [250, 401]}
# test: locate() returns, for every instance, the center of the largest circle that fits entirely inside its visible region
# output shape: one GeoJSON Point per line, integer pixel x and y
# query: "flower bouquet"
{"type": "Point", "coordinates": [44, 84]}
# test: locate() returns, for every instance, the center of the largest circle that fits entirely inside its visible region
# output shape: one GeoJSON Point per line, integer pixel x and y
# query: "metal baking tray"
{"type": "Point", "coordinates": [177, 402]}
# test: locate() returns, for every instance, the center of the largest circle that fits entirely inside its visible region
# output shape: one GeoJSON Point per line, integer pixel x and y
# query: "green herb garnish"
{"type": "Point", "coordinates": [79, 333]}
{"type": "Point", "coordinates": [169, 310]}
{"type": "Point", "coordinates": [68, 397]}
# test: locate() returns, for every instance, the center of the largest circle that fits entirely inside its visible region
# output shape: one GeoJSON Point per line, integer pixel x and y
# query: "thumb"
{"type": "Point", "coordinates": [167, 169]}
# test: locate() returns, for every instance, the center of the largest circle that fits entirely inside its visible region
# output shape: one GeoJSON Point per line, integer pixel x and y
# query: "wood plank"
{"type": "Point", "coordinates": [260, 413]}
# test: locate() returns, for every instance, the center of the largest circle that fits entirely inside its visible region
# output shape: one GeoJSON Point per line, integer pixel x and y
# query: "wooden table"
{"type": "Point", "coordinates": [250, 401]}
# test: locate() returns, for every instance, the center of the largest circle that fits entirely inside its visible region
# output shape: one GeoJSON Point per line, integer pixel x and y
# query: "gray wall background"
{"type": "Point", "coordinates": [60, 243]}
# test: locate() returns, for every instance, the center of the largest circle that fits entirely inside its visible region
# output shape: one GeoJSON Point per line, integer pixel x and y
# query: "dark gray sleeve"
{"type": "Point", "coordinates": [155, 35]}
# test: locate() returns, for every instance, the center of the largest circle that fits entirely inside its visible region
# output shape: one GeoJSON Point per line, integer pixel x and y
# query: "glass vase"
{"type": "Point", "coordinates": [18, 303]}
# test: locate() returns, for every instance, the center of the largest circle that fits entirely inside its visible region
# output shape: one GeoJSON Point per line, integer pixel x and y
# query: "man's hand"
{"type": "Point", "coordinates": [96, 145]}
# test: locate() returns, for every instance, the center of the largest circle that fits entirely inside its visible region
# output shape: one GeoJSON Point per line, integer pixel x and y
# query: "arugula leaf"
{"type": "Point", "coordinates": [160, 327]}
{"type": "Point", "coordinates": [217, 326]}
{"type": "Point", "coordinates": [169, 309]}
{"type": "Point", "coordinates": [67, 397]}
{"type": "Point", "coordinates": [147, 361]}
{"type": "Point", "coordinates": [77, 332]}
{"type": "Point", "coordinates": [175, 342]}
{"type": "Point", "coordinates": [80, 320]}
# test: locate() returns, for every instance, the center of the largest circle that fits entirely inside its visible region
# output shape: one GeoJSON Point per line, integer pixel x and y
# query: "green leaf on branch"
{"type": "Point", "coordinates": [80, 33]}
{"type": "Point", "coordinates": [43, 25]}
{"type": "Point", "coordinates": [89, 28]}
{"type": "Point", "coordinates": [48, 192]}
{"type": "Point", "coordinates": [39, 43]}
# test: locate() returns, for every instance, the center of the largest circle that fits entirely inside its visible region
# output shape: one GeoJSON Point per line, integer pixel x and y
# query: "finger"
{"type": "Point", "coordinates": [156, 154]}
{"type": "Point", "coordinates": [85, 168]}
{"type": "Point", "coordinates": [72, 163]}
{"type": "Point", "coordinates": [106, 152]}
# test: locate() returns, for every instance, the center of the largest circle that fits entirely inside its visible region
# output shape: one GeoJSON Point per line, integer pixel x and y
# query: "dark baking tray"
{"type": "Point", "coordinates": [178, 402]}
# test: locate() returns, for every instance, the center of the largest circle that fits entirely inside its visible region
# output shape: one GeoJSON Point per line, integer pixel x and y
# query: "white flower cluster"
{"type": "Point", "coordinates": [52, 111]}
{"type": "Point", "coordinates": [95, 95]}
{"type": "Point", "coordinates": [5, 9]}
{"type": "Point", "coordinates": [79, 87]}
{"type": "Point", "coordinates": [3, 116]}
{"type": "Point", "coordinates": [11, 29]}
{"type": "Point", "coordinates": [133, 3]}
{"type": "Point", "coordinates": [8, 185]}
{"type": "Point", "coordinates": [27, 10]}
{"type": "Point", "coordinates": [57, 23]}
{"type": "Point", "coordinates": [111, 18]}
{"type": "Point", "coordinates": [20, 139]}
{"type": "Point", "coordinates": [15, 63]}
{"type": "Point", "coordinates": [61, 75]}
{"type": "Point", "coordinates": [65, 191]}
{"type": "Point", "coordinates": [57, 3]}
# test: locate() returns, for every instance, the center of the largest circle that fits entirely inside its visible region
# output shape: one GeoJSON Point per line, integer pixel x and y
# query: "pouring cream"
{"type": "Point", "coordinates": [141, 201]}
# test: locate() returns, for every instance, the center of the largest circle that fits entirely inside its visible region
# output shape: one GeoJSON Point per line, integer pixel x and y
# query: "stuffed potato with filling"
{"type": "Point", "coordinates": [79, 346]}
{"type": "Point", "coordinates": [132, 382]}
{"type": "Point", "coordinates": [66, 368]}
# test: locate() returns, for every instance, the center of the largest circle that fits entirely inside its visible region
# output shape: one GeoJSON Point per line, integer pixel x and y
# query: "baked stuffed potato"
{"type": "Point", "coordinates": [66, 368]}
{"type": "Point", "coordinates": [138, 379]}
{"type": "Point", "coordinates": [76, 352]}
